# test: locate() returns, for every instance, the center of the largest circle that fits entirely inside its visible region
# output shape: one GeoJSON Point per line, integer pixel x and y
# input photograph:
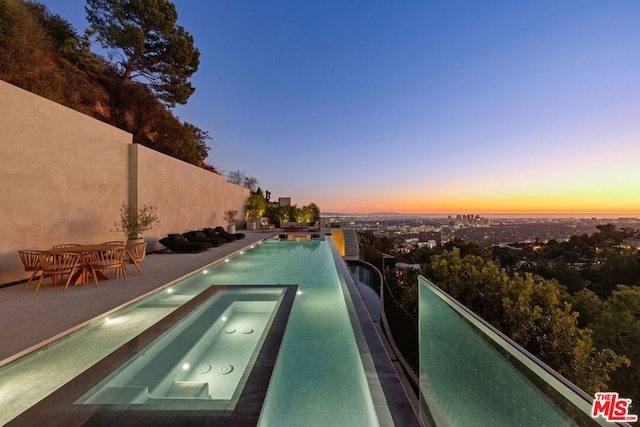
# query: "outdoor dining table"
{"type": "Point", "coordinates": [81, 276]}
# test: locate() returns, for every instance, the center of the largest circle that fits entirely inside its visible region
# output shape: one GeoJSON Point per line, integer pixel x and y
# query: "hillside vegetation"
{"type": "Point", "coordinates": [42, 53]}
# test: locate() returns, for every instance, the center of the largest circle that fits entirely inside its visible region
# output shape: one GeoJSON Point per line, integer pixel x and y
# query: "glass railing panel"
{"type": "Point", "coordinates": [470, 374]}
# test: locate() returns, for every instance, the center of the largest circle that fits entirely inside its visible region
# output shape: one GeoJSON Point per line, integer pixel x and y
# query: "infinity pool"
{"type": "Point", "coordinates": [318, 379]}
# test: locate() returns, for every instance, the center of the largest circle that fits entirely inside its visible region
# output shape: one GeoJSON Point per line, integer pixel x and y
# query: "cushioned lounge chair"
{"type": "Point", "coordinates": [266, 226]}
{"type": "Point", "coordinates": [199, 236]}
{"type": "Point", "coordinates": [177, 243]}
{"type": "Point", "coordinates": [223, 232]}
{"type": "Point", "coordinates": [212, 232]}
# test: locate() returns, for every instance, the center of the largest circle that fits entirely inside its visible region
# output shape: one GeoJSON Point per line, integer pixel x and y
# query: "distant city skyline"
{"type": "Point", "coordinates": [562, 215]}
{"type": "Point", "coordinates": [495, 108]}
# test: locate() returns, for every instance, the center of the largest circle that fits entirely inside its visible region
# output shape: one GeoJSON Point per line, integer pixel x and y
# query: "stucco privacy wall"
{"type": "Point", "coordinates": [188, 197]}
{"type": "Point", "coordinates": [64, 175]}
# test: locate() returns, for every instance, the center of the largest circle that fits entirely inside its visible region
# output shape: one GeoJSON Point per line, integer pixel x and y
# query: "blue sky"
{"type": "Point", "coordinates": [421, 106]}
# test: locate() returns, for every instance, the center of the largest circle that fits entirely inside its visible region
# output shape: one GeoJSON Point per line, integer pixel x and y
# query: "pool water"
{"type": "Point", "coordinates": [318, 379]}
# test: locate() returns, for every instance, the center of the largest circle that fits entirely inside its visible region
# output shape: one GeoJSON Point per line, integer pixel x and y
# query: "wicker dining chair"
{"type": "Point", "coordinates": [31, 262]}
{"type": "Point", "coordinates": [107, 259]}
{"type": "Point", "coordinates": [135, 254]}
{"type": "Point", "coordinates": [55, 264]}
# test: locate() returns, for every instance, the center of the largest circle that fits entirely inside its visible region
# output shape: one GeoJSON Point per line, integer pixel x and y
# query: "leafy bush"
{"type": "Point", "coordinates": [135, 221]}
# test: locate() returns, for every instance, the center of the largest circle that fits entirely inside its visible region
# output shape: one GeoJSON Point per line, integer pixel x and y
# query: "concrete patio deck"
{"type": "Point", "coordinates": [29, 318]}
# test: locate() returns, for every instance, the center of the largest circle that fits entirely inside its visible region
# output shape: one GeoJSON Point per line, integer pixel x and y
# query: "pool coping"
{"type": "Point", "coordinates": [389, 393]}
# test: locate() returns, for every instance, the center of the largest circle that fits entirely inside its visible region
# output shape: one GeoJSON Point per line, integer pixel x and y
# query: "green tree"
{"type": "Point", "coordinates": [309, 213]}
{"type": "Point", "coordinates": [466, 248]}
{"type": "Point", "coordinates": [383, 244]}
{"type": "Point", "coordinates": [277, 213]}
{"type": "Point", "coordinates": [181, 140]}
{"type": "Point", "coordinates": [552, 250]}
{"type": "Point", "coordinates": [607, 236]}
{"type": "Point", "coordinates": [582, 245]}
{"type": "Point", "coordinates": [150, 47]}
{"type": "Point", "coordinates": [621, 270]}
{"type": "Point", "coordinates": [290, 213]}
{"type": "Point", "coordinates": [506, 256]}
{"type": "Point", "coordinates": [567, 276]}
{"type": "Point", "coordinates": [589, 307]}
{"type": "Point", "coordinates": [256, 206]}
{"type": "Point", "coordinates": [618, 328]}
{"type": "Point", "coordinates": [419, 255]}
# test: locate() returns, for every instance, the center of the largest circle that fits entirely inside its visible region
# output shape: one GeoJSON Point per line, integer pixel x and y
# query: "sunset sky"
{"type": "Point", "coordinates": [484, 107]}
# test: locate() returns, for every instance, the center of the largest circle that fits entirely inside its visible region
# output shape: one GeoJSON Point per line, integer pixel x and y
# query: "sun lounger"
{"type": "Point", "coordinates": [177, 243]}
{"type": "Point", "coordinates": [224, 232]}
{"type": "Point", "coordinates": [212, 232]}
{"type": "Point", "coordinates": [199, 236]}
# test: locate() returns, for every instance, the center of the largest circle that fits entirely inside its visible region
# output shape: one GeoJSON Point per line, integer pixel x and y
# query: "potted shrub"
{"type": "Point", "coordinates": [256, 204]}
{"type": "Point", "coordinates": [230, 217]}
{"type": "Point", "coordinates": [135, 221]}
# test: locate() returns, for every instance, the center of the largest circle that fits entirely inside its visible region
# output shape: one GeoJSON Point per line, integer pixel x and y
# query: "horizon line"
{"type": "Point", "coordinates": [600, 215]}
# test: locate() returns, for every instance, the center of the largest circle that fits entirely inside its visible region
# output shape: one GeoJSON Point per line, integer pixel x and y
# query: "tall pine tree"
{"type": "Point", "coordinates": [147, 44]}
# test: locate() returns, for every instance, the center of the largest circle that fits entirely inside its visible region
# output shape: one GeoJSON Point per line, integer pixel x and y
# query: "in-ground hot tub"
{"type": "Point", "coordinates": [204, 357]}
{"type": "Point", "coordinates": [210, 358]}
